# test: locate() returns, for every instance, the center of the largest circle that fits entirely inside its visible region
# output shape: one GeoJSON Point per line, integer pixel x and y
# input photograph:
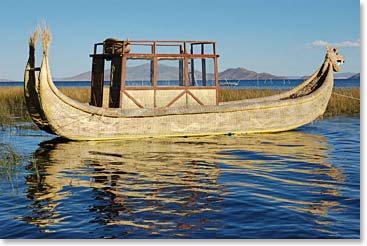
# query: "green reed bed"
{"type": "Point", "coordinates": [13, 108]}
{"type": "Point", "coordinates": [12, 105]}
{"type": "Point", "coordinates": [342, 101]}
{"type": "Point", "coordinates": [226, 95]}
{"type": "Point", "coordinates": [81, 94]}
{"type": "Point", "coordinates": [9, 162]}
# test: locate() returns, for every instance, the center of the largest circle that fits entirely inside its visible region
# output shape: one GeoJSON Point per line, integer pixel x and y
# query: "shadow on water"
{"type": "Point", "coordinates": [252, 186]}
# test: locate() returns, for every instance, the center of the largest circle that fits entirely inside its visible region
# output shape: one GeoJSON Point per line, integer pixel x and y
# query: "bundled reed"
{"type": "Point", "coordinates": [45, 37]}
{"type": "Point", "coordinates": [13, 108]}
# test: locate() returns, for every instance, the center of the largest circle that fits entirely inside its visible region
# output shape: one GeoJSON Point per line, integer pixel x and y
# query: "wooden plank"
{"type": "Point", "coordinates": [216, 79]}
{"type": "Point", "coordinates": [181, 72]}
{"type": "Point", "coordinates": [155, 80]}
{"type": "Point", "coordinates": [195, 98]}
{"type": "Point", "coordinates": [203, 66]}
{"type": "Point", "coordinates": [116, 65]}
{"type": "Point", "coordinates": [161, 87]}
{"type": "Point", "coordinates": [176, 98]}
{"type": "Point", "coordinates": [123, 78]}
{"type": "Point", "coordinates": [162, 56]}
{"type": "Point", "coordinates": [192, 68]}
{"type": "Point", "coordinates": [96, 98]}
{"type": "Point", "coordinates": [186, 71]}
{"type": "Point", "coordinates": [133, 100]}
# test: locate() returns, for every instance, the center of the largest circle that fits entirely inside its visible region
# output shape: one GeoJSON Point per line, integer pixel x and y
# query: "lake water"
{"type": "Point", "coordinates": [298, 184]}
{"type": "Point", "coordinates": [264, 84]}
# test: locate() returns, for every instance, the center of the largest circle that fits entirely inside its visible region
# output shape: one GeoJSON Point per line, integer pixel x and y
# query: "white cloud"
{"type": "Point", "coordinates": [343, 44]}
{"type": "Point", "coordinates": [318, 43]}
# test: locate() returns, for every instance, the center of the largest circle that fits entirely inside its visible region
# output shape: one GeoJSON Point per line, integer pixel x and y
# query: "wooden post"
{"type": "Point", "coordinates": [115, 79]}
{"type": "Point", "coordinates": [203, 66]}
{"type": "Point", "coordinates": [180, 72]}
{"type": "Point", "coordinates": [123, 78]}
{"type": "Point", "coordinates": [96, 98]}
{"type": "Point", "coordinates": [216, 79]}
{"type": "Point", "coordinates": [154, 75]}
{"type": "Point", "coordinates": [186, 64]}
{"type": "Point", "coordinates": [216, 73]}
{"type": "Point", "coordinates": [180, 69]}
{"type": "Point", "coordinates": [192, 67]}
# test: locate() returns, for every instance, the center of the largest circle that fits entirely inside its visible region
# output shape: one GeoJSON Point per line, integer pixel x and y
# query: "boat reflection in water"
{"type": "Point", "coordinates": [182, 187]}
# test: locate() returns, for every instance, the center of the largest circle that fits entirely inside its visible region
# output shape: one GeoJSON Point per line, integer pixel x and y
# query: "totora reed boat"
{"type": "Point", "coordinates": [147, 104]}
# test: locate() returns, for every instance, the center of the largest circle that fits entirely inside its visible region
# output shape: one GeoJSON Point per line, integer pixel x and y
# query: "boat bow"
{"type": "Point", "coordinates": [31, 88]}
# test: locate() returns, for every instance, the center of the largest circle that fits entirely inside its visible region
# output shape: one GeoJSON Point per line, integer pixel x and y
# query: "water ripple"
{"type": "Point", "coordinates": [299, 184]}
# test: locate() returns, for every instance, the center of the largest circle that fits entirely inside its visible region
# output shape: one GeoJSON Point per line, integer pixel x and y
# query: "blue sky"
{"type": "Point", "coordinates": [283, 37]}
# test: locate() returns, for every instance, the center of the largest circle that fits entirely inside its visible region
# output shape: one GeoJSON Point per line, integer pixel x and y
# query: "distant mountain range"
{"type": "Point", "coordinates": [355, 76]}
{"type": "Point", "coordinates": [344, 75]}
{"type": "Point", "coordinates": [6, 80]}
{"type": "Point", "coordinates": [165, 72]}
{"type": "Point", "coordinates": [244, 74]}
{"type": "Point", "coordinates": [347, 75]}
{"type": "Point", "coordinates": [140, 72]}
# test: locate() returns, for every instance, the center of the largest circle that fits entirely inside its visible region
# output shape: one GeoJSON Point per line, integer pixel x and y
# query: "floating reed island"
{"type": "Point", "coordinates": [343, 101]}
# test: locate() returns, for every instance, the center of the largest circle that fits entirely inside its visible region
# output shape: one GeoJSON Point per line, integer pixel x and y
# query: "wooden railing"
{"type": "Point", "coordinates": [118, 88]}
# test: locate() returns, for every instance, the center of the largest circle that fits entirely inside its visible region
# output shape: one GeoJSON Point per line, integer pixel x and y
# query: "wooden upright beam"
{"type": "Point", "coordinates": [180, 72]}
{"type": "Point", "coordinates": [203, 66]}
{"type": "Point", "coordinates": [181, 68]}
{"type": "Point", "coordinates": [153, 71]}
{"type": "Point", "coordinates": [186, 69]}
{"type": "Point", "coordinates": [96, 98]}
{"type": "Point", "coordinates": [192, 68]}
{"type": "Point", "coordinates": [123, 78]}
{"type": "Point", "coordinates": [116, 66]}
{"type": "Point", "coordinates": [216, 79]}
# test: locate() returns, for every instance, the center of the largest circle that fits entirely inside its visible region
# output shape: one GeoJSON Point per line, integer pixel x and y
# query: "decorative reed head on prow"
{"type": "Point", "coordinates": [46, 38]}
{"type": "Point", "coordinates": [33, 38]}
{"type": "Point", "coordinates": [334, 57]}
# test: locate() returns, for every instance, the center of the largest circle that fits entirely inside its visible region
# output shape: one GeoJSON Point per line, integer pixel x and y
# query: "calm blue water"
{"type": "Point", "coordinates": [273, 84]}
{"type": "Point", "coordinates": [298, 184]}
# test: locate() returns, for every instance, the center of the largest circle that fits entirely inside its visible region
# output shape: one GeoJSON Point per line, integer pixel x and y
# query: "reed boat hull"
{"type": "Point", "coordinates": [77, 121]}
{"type": "Point", "coordinates": [70, 119]}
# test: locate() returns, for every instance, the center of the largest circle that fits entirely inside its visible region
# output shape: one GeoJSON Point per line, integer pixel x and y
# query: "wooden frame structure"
{"type": "Point", "coordinates": [188, 90]}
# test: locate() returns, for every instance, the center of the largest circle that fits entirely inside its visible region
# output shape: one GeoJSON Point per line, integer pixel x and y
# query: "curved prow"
{"type": "Point", "coordinates": [31, 87]}
{"type": "Point", "coordinates": [331, 63]}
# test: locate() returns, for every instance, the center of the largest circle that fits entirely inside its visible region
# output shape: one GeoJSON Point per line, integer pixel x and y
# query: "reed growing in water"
{"type": "Point", "coordinates": [342, 101]}
{"type": "Point", "coordinates": [9, 162]}
{"type": "Point", "coordinates": [12, 105]}
{"type": "Point", "coordinates": [226, 95]}
{"type": "Point", "coordinates": [13, 108]}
